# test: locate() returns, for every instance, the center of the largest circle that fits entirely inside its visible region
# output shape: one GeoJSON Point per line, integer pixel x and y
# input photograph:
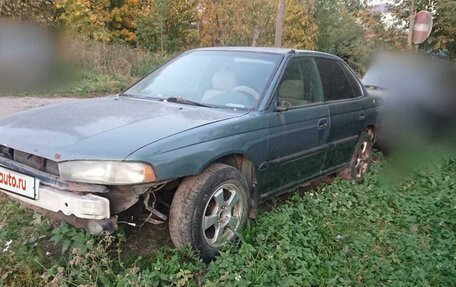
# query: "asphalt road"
{"type": "Point", "coordinates": [11, 105]}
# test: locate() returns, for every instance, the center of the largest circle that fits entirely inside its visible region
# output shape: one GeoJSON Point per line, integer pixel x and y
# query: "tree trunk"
{"type": "Point", "coordinates": [218, 33]}
{"type": "Point", "coordinates": [279, 23]}
{"type": "Point", "coordinates": [411, 24]}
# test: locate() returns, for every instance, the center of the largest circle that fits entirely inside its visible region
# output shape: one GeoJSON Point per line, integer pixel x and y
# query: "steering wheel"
{"type": "Point", "coordinates": [247, 91]}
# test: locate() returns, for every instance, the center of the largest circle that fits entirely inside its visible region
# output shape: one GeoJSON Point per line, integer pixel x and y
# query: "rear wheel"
{"type": "Point", "coordinates": [361, 160]}
{"type": "Point", "coordinates": [209, 209]}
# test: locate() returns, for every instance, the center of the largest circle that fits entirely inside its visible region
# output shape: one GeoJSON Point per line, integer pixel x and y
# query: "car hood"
{"type": "Point", "coordinates": [102, 128]}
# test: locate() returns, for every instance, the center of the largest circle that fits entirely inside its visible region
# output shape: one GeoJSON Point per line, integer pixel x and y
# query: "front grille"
{"type": "Point", "coordinates": [31, 160]}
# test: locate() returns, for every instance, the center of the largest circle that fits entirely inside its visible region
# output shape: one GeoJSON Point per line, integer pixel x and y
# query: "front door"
{"type": "Point", "coordinates": [298, 128]}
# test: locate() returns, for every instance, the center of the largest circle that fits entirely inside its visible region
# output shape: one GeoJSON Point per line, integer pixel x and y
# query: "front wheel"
{"type": "Point", "coordinates": [360, 161]}
{"type": "Point", "coordinates": [209, 209]}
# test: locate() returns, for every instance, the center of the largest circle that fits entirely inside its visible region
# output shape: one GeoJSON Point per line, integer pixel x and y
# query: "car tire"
{"type": "Point", "coordinates": [209, 209]}
{"type": "Point", "coordinates": [360, 161]}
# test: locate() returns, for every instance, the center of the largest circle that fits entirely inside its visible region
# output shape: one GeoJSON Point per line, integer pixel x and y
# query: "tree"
{"type": "Point", "coordinates": [86, 18]}
{"type": "Point", "coordinates": [39, 11]}
{"type": "Point", "coordinates": [211, 22]}
{"type": "Point", "coordinates": [123, 19]}
{"type": "Point", "coordinates": [169, 26]}
{"type": "Point", "coordinates": [236, 22]}
{"type": "Point", "coordinates": [339, 33]}
{"type": "Point", "coordinates": [442, 37]}
{"type": "Point", "coordinates": [300, 29]}
{"type": "Point", "coordinates": [353, 30]}
{"type": "Point", "coordinates": [279, 23]}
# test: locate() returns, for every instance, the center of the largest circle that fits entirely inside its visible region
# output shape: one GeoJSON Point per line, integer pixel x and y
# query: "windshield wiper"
{"type": "Point", "coordinates": [181, 100]}
{"type": "Point", "coordinates": [128, 95]}
{"type": "Point", "coordinates": [140, 96]}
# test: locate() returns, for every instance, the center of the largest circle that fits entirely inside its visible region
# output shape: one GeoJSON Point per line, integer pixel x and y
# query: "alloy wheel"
{"type": "Point", "coordinates": [362, 160]}
{"type": "Point", "coordinates": [222, 215]}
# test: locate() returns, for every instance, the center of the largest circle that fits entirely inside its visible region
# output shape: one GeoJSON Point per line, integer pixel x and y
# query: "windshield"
{"type": "Point", "coordinates": [215, 78]}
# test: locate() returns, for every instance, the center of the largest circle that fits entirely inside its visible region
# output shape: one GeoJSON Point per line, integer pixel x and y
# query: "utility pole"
{"type": "Point", "coordinates": [411, 24]}
{"type": "Point", "coordinates": [279, 24]}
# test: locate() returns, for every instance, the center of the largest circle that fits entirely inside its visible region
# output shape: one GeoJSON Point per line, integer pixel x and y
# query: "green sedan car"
{"type": "Point", "coordinates": [198, 143]}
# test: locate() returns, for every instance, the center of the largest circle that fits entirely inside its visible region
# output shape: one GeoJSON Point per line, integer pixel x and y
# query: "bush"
{"type": "Point", "coordinates": [114, 59]}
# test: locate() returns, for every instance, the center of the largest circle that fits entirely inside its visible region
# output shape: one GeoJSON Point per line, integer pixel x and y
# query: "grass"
{"type": "Point", "coordinates": [88, 84]}
{"type": "Point", "coordinates": [83, 84]}
{"type": "Point", "coordinates": [381, 232]}
{"type": "Point", "coordinates": [90, 68]}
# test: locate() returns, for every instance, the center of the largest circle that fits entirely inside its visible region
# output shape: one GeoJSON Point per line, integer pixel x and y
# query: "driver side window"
{"type": "Point", "coordinates": [300, 84]}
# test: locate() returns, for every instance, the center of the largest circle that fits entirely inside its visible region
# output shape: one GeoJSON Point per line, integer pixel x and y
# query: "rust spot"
{"type": "Point", "coordinates": [57, 156]}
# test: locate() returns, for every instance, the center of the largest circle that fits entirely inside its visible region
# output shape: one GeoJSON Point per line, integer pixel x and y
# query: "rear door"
{"type": "Point", "coordinates": [344, 97]}
{"type": "Point", "coordinates": [298, 127]}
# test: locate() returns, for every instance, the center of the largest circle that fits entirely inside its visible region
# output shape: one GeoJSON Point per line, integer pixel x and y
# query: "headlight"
{"type": "Point", "coordinates": [106, 172]}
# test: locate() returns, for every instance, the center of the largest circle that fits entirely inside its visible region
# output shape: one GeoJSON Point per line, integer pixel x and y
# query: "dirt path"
{"type": "Point", "coordinates": [11, 105]}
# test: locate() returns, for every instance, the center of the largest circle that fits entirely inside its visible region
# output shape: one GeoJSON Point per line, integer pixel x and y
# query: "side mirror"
{"type": "Point", "coordinates": [281, 109]}
{"type": "Point", "coordinates": [282, 106]}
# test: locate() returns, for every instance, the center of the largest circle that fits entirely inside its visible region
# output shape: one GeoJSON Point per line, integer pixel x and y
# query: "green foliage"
{"type": "Point", "coordinates": [339, 34]}
{"type": "Point", "coordinates": [442, 37]}
{"type": "Point", "coordinates": [348, 28]}
{"type": "Point", "coordinates": [123, 19]}
{"type": "Point", "coordinates": [237, 22]}
{"type": "Point", "coordinates": [166, 268]}
{"type": "Point", "coordinates": [351, 31]}
{"type": "Point", "coordinates": [89, 19]}
{"type": "Point", "coordinates": [382, 232]}
{"type": "Point", "coordinates": [21, 233]}
{"type": "Point", "coordinates": [242, 23]}
{"type": "Point", "coordinates": [92, 267]}
{"type": "Point", "coordinates": [70, 238]}
{"type": "Point", "coordinates": [300, 27]}
{"type": "Point", "coordinates": [444, 31]}
{"type": "Point", "coordinates": [347, 234]}
{"type": "Point", "coordinates": [169, 26]}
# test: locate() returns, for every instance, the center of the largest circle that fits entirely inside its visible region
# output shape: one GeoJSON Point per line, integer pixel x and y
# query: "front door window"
{"type": "Point", "coordinates": [300, 84]}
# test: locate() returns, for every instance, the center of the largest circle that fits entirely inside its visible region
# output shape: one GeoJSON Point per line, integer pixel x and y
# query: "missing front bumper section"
{"type": "Point", "coordinates": [84, 206]}
{"type": "Point", "coordinates": [52, 180]}
{"type": "Point", "coordinates": [93, 226]}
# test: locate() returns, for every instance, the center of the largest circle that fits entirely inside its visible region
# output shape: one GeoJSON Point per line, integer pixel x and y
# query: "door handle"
{"type": "Point", "coordinates": [362, 116]}
{"type": "Point", "coordinates": [323, 123]}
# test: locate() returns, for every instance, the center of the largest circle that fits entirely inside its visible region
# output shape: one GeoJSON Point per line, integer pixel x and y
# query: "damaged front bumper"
{"type": "Point", "coordinates": [85, 206]}
{"type": "Point", "coordinates": [77, 202]}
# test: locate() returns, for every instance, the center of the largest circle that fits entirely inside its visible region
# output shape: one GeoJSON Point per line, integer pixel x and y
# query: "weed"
{"type": "Point", "coordinates": [71, 237]}
{"type": "Point", "coordinates": [378, 233]}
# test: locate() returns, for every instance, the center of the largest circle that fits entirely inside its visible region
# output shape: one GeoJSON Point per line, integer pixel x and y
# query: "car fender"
{"type": "Point", "coordinates": [188, 153]}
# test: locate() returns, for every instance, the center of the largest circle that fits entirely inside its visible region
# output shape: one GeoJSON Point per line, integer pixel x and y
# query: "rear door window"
{"type": "Point", "coordinates": [336, 86]}
{"type": "Point", "coordinates": [352, 79]}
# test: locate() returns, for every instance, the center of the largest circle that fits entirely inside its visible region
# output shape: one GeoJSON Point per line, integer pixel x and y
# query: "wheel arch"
{"type": "Point", "coordinates": [371, 129]}
{"type": "Point", "coordinates": [246, 166]}
{"type": "Point", "coordinates": [239, 161]}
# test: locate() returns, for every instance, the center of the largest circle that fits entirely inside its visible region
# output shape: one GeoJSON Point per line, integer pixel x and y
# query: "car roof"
{"type": "Point", "coordinates": [271, 50]}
